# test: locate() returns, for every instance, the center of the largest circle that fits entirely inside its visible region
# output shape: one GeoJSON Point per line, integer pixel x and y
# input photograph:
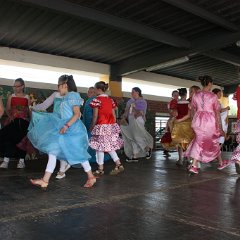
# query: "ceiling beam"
{"type": "Point", "coordinates": [200, 12]}
{"type": "Point", "coordinates": [112, 21]}
{"type": "Point", "coordinates": [223, 56]}
{"type": "Point", "coordinates": [160, 55]}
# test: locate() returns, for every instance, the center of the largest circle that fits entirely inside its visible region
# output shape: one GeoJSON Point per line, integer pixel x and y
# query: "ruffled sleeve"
{"type": "Point", "coordinates": [216, 103]}
{"type": "Point", "coordinates": [114, 105]}
{"type": "Point", "coordinates": [74, 99]}
{"type": "Point", "coordinates": [193, 104]}
{"type": "Point", "coordinates": [129, 102]}
{"type": "Point", "coordinates": [95, 103]}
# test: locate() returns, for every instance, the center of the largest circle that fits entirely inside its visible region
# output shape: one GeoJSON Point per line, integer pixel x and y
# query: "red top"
{"type": "Point", "coordinates": [105, 105]}
{"type": "Point", "coordinates": [237, 95]}
{"type": "Point", "coordinates": [19, 107]}
{"type": "Point", "coordinates": [172, 104]}
{"type": "Point", "coordinates": [182, 109]}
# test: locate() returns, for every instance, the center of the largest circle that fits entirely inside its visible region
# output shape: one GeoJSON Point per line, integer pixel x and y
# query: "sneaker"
{"type": "Point", "coordinates": [60, 175]}
{"type": "Point", "coordinates": [129, 160]}
{"type": "Point", "coordinates": [224, 165]}
{"type": "Point", "coordinates": [4, 165]}
{"type": "Point", "coordinates": [117, 170]}
{"type": "Point", "coordinates": [21, 165]}
{"type": "Point", "coordinates": [193, 169]}
{"type": "Point", "coordinates": [149, 154]}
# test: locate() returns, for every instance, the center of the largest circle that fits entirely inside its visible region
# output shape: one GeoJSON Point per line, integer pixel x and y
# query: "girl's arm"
{"type": "Point", "coordinates": [75, 117]}
{"type": "Point", "coordinates": [1, 108]}
{"type": "Point", "coordinates": [185, 117]}
{"type": "Point", "coordinates": [8, 108]}
{"type": "Point", "coordinates": [95, 117]}
{"type": "Point", "coordinates": [46, 104]}
{"type": "Point", "coordinates": [217, 109]}
{"type": "Point", "coordinates": [225, 109]}
{"type": "Point", "coordinates": [114, 115]}
{"type": "Point", "coordinates": [219, 122]}
{"type": "Point", "coordinates": [29, 106]}
{"type": "Point", "coordinates": [125, 114]}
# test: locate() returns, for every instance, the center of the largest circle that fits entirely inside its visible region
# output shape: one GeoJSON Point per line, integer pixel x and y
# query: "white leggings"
{"type": "Point", "coordinates": [52, 161]}
{"type": "Point", "coordinates": [100, 156]}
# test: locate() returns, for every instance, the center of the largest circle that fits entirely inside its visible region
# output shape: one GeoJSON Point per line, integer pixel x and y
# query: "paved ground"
{"type": "Point", "coordinates": [152, 199]}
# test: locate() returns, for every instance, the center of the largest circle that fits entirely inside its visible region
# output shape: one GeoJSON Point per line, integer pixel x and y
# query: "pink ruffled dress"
{"type": "Point", "coordinates": [205, 145]}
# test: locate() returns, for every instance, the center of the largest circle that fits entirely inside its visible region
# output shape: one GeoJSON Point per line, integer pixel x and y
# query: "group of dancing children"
{"type": "Point", "coordinates": [63, 136]}
{"type": "Point", "coordinates": [197, 126]}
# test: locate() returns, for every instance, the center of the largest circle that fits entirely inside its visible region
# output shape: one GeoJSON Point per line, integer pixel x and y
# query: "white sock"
{"type": "Point", "coordinates": [86, 166]}
{"type": "Point", "coordinates": [63, 165]}
{"type": "Point", "coordinates": [52, 160]}
{"type": "Point", "coordinates": [100, 157]}
{"type": "Point", "coordinates": [5, 159]}
{"type": "Point", "coordinates": [114, 156]}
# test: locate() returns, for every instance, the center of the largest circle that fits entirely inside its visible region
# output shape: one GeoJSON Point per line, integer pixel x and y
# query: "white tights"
{"type": "Point", "coordinates": [100, 156]}
{"type": "Point", "coordinates": [52, 161]}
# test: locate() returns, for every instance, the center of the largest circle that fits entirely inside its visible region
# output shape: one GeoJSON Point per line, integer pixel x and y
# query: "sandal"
{"type": "Point", "coordinates": [237, 166]}
{"type": "Point", "coordinates": [39, 183]}
{"type": "Point", "coordinates": [90, 182]}
{"type": "Point", "coordinates": [118, 169]}
{"type": "Point", "coordinates": [98, 173]}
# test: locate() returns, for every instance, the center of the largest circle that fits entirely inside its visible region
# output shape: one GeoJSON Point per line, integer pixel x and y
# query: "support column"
{"type": "Point", "coordinates": [115, 83]}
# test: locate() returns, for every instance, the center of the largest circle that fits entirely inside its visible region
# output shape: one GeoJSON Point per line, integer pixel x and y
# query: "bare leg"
{"type": "Point", "coordinates": [180, 156]}
{"type": "Point", "coordinates": [43, 183]}
{"type": "Point", "coordinates": [91, 179]}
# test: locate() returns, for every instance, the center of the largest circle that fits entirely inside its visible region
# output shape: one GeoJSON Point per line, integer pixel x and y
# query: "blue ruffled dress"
{"type": "Point", "coordinates": [71, 146]}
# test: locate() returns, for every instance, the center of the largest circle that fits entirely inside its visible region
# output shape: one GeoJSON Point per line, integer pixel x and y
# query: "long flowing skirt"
{"type": "Point", "coordinates": [182, 134]}
{"type": "Point", "coordinates": [136, 138]}
{"type": "Point", "coordinates": [71, 146]}
{"type": "Point", "coordinates": [167, 142]}
{"type": "Point", "coordinates": [10, 136]}
{"type": "Point", "coordinates": [205, 145]}
{"type": "Point", "coordinates": [25, 144]}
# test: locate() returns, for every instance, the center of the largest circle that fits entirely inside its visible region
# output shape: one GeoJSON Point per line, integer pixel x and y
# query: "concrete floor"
{"type": "Point", "coordinates": [152, 199]}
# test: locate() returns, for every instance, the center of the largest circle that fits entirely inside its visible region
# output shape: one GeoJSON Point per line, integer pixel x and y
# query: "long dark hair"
{"type": "Point", "coordinates": [205, 80]}
{"type": "Point", "coordinates": [182, 92]}
{"type": "Point", "coordinates": [216, 90]}
{"type": "Point", "coordinates": [101, 85]}
{"type": "Point", "coordinates": [138, 90]}
{"type": "Point", "coordinates": [21, 81]}
{"type": "Point", "coordinates": [68, 79]}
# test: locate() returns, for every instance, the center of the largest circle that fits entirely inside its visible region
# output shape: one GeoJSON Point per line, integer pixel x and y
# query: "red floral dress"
{"type": "Point", "coordinates": [105, 134]}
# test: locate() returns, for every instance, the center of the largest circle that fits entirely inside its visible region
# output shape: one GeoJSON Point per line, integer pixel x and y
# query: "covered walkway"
{"type": "Point", "coordinates": [152, 199]}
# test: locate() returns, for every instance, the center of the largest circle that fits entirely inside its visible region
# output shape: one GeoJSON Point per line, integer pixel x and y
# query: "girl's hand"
{"type": "Point", "coordinates": [222, 133]}
{"type": "Point", "coordinates": [63, 129]}
{"type": "Point", "coordinates": [137, 114]}
{"type": "Point", "coordinates": [91, 128]}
